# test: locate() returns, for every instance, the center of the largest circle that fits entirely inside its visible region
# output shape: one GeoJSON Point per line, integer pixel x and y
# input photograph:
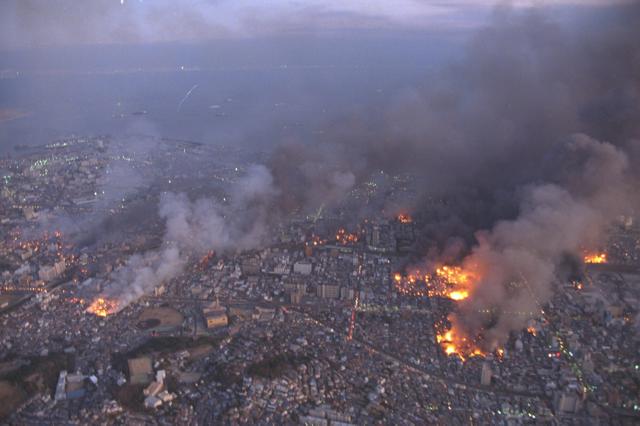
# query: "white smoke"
{"type": "Point", "coordinates": [142, 273]}
{"type": "Point", "coordinates": [194, 227]}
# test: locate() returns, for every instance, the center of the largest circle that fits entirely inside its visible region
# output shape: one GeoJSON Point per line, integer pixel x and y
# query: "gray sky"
{"type": "Point", "coordinates": [35, 23]}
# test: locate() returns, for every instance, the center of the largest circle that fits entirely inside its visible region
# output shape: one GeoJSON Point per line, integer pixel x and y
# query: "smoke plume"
{"type": "Point", "coordinates": [486, 139]}
{"type": "Point", "coordinates": [516, 261]}
{"type": "Point", "coordinates": [193, 228]}
{"type": "Point", "coordinates": [492, 131]}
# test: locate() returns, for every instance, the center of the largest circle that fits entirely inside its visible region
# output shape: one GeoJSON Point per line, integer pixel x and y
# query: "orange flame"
{"type": "Point", "coordinates": [459, 281]}
{"type": "Point", "coordinates": [103, 307]}
{"type": "Point", "coordinates": [452, 282]}
{"type": "Point", "coordinates": [453, 343]}
{"type": "Point", "coordinates": [455, 283]}
{"type": "Point", "coordinates": [458, 295]}
{"type": "Point", "coordinates": [595, 258]}
{"type": "Point", "coordinates": [404, 218]}
{"type": "Point", "coordinates": [343, 237]}
{"type": "Point", "coordinates": [454, 274]}
{"type": "Point", "coordinates": [315, 241]}
{"type": "Point", "coordinates": [205, 260]}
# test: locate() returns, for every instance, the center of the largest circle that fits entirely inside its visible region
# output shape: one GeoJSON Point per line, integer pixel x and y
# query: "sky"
{"type": "Point", "coordinates": [41, 23]}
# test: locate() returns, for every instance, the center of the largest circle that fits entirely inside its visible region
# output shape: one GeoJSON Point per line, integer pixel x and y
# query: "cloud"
{"type": "Point", "coordinates": [33, 23]}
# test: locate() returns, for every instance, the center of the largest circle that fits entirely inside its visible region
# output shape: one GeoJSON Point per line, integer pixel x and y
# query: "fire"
{"type": "Point", "coordinates": [315, 241]}
{"type": "Point", "coordinates": [532, 331]}
{"type": "Point", "coordinates": [411, 285]}
{"type": "Point", "coordinates": [452, 282]}
{"type": "Point", "coordinates": [454, 343]}
{"type": "Point", "coordinates": [458, 281]}
{"type": "Point", "coordinates": [446, 337]}
{"type": "Point", "coordinates": [343, 237]}
{"type": "Point", "coordinates": [595, 258]}
{"type": "Point", "coordinates": [458, 295]}
{"type": "Point", "coordinates": [455, 283]}
{"type": "Point", "coordinates": [453, 274]}
{"type": "Point", "coordinates": [103, 307]}
{"type": "Point", "coordinates": [206, 259]}
{"type": "Point", "coordinates": [404, 218]}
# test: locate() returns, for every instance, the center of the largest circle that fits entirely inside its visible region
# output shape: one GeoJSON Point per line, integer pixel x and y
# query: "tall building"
{"type": "Point", "coordinates": [485, 376]}
{"type": "Point", "coordinates": [140, 370]}
{"type": "Point", "coordinates": [49, 273]}
{"type": "Point", "coordinates": [296, 290]}
{"type": "Point", "coordinates": [567, 402]}
{"type": "Point", "coordinates": [380, 238]}
{"type": "Point", "coordinates": [304, 268]}
{"type": "Point", "coordinates": [347, 293]}
{"type": "Point", "coordinates": [328, 291]}
{"type": "Point", "coordinates": [375, 236]}
{"type": "Point", "coordinates": [296, 297]}
{"type": "Point", "coordinates": [251, 266]}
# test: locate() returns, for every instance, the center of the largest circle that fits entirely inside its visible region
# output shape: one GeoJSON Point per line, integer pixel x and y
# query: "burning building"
{"type": "Point", "coordinates": [595, 258]}
{"type": "Point", "coordinates": [343, 237]}
{"type": "Point", "coordinates": [455, 343]}
{"type": "Point", "coordinates": [404, 218]}
{"type": "Point", "coordinates": [103, 307]}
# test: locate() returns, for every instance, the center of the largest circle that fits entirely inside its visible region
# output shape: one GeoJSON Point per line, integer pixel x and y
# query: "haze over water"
{"type": "Point", "coordinates": [242, 97]}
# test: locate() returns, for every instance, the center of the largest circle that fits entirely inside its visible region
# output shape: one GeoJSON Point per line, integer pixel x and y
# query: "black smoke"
{"type": "Point", "coordinates": [525, 148]}
{"type": "Point", "coordinates": [530, 142]}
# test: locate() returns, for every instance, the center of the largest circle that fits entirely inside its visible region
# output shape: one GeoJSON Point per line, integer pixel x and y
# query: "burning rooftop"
{"type": "Point", "coordinates": [103, 307]}
{"type": "Point", "coordinates": [404, 218]}
{"type": "Point", "coordinates": [454, 343]}
{"type": "Point", "coordinates": [344, 237]}
{"type": "Point", "coordinates": [595, 258]}
{"type": "Point", "coordinates": [453, 282]}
